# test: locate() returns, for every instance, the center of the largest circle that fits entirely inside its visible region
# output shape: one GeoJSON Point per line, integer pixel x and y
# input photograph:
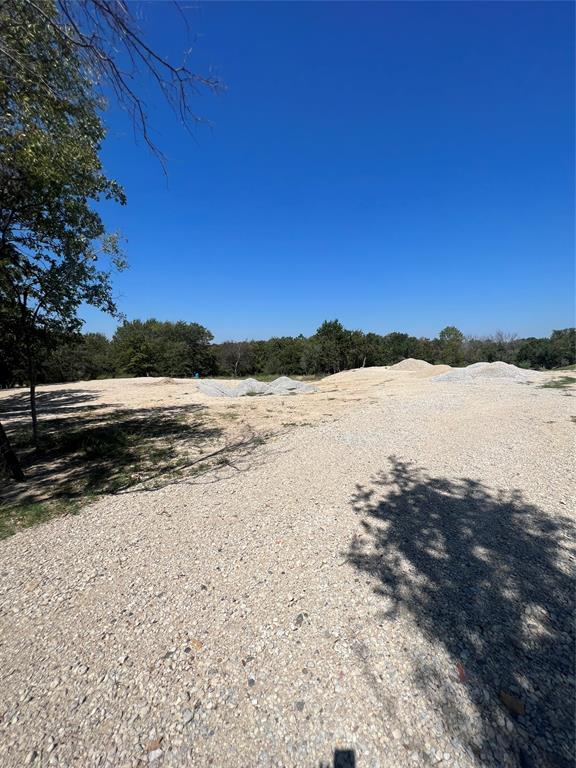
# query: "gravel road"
{"type": "Point", "coordinates": [390, 589]}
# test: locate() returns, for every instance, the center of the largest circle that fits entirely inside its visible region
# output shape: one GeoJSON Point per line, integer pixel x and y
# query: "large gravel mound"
{"type": "Point", "coordinates": [486, 371]}
{"type": "Point", "coordinates": [355, 374]}
{"type": "Point", "coordinates": [281, 386]}
{"type": "Point", "coordinates": [411, 364]}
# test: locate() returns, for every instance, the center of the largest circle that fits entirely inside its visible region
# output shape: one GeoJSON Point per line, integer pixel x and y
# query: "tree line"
{"type": "Point", "coordinates": [181, 349]}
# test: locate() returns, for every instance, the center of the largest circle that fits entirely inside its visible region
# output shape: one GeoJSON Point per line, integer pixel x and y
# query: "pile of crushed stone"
{"type": "Point", "coordinates": [164, 381]}
{"type": "Point", "coordinates": [486, 371]}
{"type": "Point", "coordinates": [411, 364]}
{"type": "Point", "coordinates": [284, 385]}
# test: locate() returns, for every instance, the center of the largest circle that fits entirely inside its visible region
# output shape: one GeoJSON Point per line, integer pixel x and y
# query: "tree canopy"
{"type": "Point", "coordinates": [154, 348]}
{"type": "Point", "coordinates": [106, 41]}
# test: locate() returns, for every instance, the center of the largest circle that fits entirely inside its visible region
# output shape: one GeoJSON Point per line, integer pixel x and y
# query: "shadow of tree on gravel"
{"type": "Point", "coordinates": [108, 450]}
{"type": "Point", "coordinates": [488, 578]}
{"type": "Point", "coordinates": [57, 401]}
{"type": "Point", "coordinates": [343, 758]}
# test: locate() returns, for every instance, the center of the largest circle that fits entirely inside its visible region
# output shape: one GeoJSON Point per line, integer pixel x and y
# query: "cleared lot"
{"type": "Point", "coordinates": [393, 577]}
{"type": "Point", "coordinates": [107, 436]}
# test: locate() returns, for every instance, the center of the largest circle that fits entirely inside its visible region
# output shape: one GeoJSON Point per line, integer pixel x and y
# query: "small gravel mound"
{"type": "Point", "coordinates": [411, 364]}
{"type": "Point", "coordinates": [486, 371]}
{"type": "Point", "coordinates": [280, 386]}
{"type": "Point", "coordinates": [161, 382]}
{"type": "Point", "coordinates": [284, 385]}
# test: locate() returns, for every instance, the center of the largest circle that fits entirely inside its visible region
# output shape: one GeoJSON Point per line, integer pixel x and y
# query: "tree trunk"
{"type": "Point", "coordinates": [32, 374]}
{"type": "Point", "coordinates": [8, 458]}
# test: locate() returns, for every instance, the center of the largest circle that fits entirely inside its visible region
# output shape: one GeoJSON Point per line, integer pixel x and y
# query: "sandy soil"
{"type": "Point", "coordinates": [228, 424]}
{"type": "Point", "coordinates": [335, 396]}
{"type": "Point", "coordinates": [393, 582]}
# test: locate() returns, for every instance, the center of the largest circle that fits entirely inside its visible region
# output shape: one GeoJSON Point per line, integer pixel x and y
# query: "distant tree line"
{"type": "Point", "coordinates": [180, 349]}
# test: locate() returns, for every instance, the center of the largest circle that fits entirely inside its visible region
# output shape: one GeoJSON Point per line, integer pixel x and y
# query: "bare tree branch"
{"type": "Point", "coordinates": [105, 32]}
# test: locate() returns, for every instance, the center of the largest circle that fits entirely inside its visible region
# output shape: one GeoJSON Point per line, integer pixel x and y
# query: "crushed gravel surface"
{"type": "Point", "coordinates": [397, 582]}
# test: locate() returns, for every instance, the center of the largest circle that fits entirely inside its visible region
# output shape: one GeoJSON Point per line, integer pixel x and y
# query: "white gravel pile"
{"type": "Point", "coordinates": [280, 386]}
{"type": "Point", "coordinates": [411, 364]}
{"type": "Point", "coordinates": [486, 371]}
{"type": "Point", "coordinates": [284, 385]}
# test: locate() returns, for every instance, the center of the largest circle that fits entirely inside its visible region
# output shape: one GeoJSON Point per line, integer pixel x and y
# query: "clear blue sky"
{"type": "Point", "coordinates": [400, 166]}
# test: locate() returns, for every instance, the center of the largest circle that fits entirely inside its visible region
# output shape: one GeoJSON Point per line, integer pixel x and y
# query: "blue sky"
{"type": "Point", "coordinates": [400, 166]}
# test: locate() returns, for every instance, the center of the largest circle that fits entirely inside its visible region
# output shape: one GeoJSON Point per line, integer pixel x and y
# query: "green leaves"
{"type": "Point", "coordinates": [54, 251]}
{"type": "Point", "coordinates": [155, 348]}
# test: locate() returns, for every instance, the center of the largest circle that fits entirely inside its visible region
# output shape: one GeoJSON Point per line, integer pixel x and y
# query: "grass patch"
{"type": "Point", "coordinates": [560, 383]}
{"type": "Point", "coordinates": [230, 416]}
{"type": "Point", "coordinates": [17, 516]}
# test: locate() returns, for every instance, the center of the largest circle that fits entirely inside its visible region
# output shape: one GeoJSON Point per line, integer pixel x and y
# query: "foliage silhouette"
{"type": "Point", "coordinates": [485, 575]}
{"type": "Point", "coordinates": [57, 401]}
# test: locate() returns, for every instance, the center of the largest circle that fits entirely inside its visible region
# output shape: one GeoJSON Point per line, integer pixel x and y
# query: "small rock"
{"type": "Point", "coordinates": [187, 716]}
{"type": "Point", "coordinates": [460, 672]}
{"type": "Point", "coordinates": [299, 706]}
{"type": "Point", "coordinates": [251, 682]}
{"type": "Point", "coordinates": [511, 703]}
{"type": "Point", "coordinates": [156, 754]}
{"type": "Point", "coordinates": [31, 756]}
{"type": "Point", "coordinates": [153, 745]}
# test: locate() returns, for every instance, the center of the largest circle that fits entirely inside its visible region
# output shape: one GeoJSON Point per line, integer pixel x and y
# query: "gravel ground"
{"type": "Point", "coordinates": [396, 583]}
